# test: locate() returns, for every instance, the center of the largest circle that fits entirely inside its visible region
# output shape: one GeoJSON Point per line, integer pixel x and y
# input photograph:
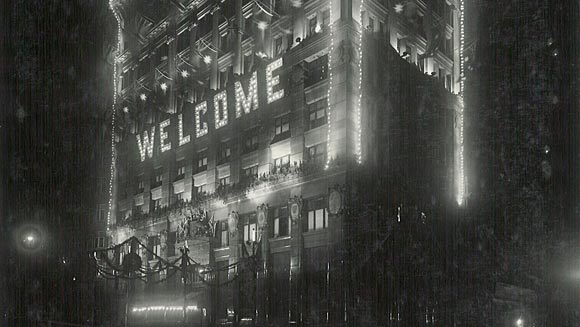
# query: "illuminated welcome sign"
{"type": "Point", "coordinates": [246, 100]}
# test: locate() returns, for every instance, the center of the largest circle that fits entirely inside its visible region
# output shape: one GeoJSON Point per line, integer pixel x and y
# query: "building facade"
{"type": "Point", "coordinates": [239, 126]}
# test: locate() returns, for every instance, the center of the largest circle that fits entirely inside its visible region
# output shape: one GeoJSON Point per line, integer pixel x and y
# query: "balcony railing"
{"type": "Point", "coordinates": [249, 185]}
{"type": "Point", "coordinates": [256, 183]}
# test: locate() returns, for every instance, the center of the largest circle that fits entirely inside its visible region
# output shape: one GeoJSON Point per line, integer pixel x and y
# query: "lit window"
{"type": "Point", "coordinates": [251, 171]}
{"type": "Point", "coordinates": [316, 70]}
{"type": "Point", "coordinates": [282, 125]}
{"type": "Point", "coordinates": [202, 189]}
{"type": "Point", "coordinates": [224, 239]}
{"type": "Point", "coordinates": [180, 169]}
{"type": "Point", "coordinates": [225, 152]}
{"type": "Point", "coordinates": [250, 232]}
{"type": "Point", "coordinates": [278, 45]}
{"type": "Point", "coordinates": [326, 17]}
{"type": "Point", "coordinates": [225, 181]}
{"type": "Point", "coordinates": [317, 214]}
{"type": "Point", "coordinates": [281, 222]}
{"type": "Point", "coordinates": [100, 241]}
{"type": "Point", "coordinates": [202, 160]}
{"type": "Point", "coordinates": [156, 204]}
{"type": "Point", "coordinates": [281, 162]}
{"type": "Point", "coordinates": [318, 113]}
{"type": "Point", "coordinates": [155, 246]}
{"type": "Point", "coordinates": [140, 185]}
{"type": "Point", "coordinates": [317, 153]}
{"type": "Point", "coordinates": [312, 25]}
{"type": "Point", "coordinates": [251, 140]}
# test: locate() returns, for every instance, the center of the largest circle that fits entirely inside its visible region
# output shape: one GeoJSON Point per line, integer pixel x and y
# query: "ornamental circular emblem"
{"type": "Point", "coordinates": [294, 211]}
{"type": "Point", "coordinates": [233, 222]}
{"type": "Point", "coordinates": [131, 262]}
{"type": "Point", "coordinates": [261, 218]}
{"type": "Point", "coordinates": [334, 202]}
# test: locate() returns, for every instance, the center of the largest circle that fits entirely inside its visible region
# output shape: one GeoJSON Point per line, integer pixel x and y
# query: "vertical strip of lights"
{"type": "Point", "coordinates": [114, 109]}
{"type": "Point", "coordinates": [359, 100]}
{"type": "Point", "coordinates": [459, 129]}
{"type": "Point", "coordinates": [330, 78]}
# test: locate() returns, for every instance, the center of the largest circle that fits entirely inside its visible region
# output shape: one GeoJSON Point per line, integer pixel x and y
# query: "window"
{"type": "Point", "coordinates": [225, 152]}
{"type": "Point", "coordinates": [247, 27]}
{"type": "Point", "coordinates": [282, 125]}
{"type": "Point", "coordinates": [251, 140]}
{"type": "Point", "coordinates": [316, 70]}
{"type": "Point", "coordinates": [281, 222]}
{"type": "Point", "coordinates": [421, 26]}
{"type": "Point", "coordinates": [180, 169]}
{"type": "Point", "coordinates": [441, 76]}
{"type": "Point", "coordinates": [282, 162]}
{"type": "Point", "coordinates": [382, 27]}
{"type": "Point", "coordinates": [251, 230]}
{"type": "Point", "coordinates": [102, 214]}
{"type": "Point", "coordinates": [126, 79]}
{"type": "Point", "coordinates": [100, 241]}
{"type": "Point", "coordinates": [399, 44]}
{"type": "Point", "coordinates": [155, 204]}
{"type": "Point", "coordinates": [154, 245]}
{"type": "Point", "coordinates": [251, 171]}
{"type": "Point", "coordinates": [448, 85]}
{"type": "Point", "coordinates": [183, 40]}
{"type": "Point", "coordinates": [317, 214]}
{"type": "Point", "coordinates": [158, 178]}
{"type": "Point", "coordinates": [421, 62]}
{"type": "Point", "coordinates": [140, 185]}
{"type": "Point", "coordinates": [371, 26]}
{"type": "Point", "coordinates": [317, 153]}
{"type": "Point", "coordinates": [163, 52]}
{"type": "Point", "coordinates": [449, 47]}
{"type": "Point", "coordinates": [137, 210]}
{"type": "Point", "coordinates": [202, 189]}
{"type": "Point", "coordinates": [278, 45]}
{"type": "Point", "coordinates": [326, 18]}
{"type": "Point", "coordinates": [449, 14]}
{"type": "Point", "coordinates": [312, 25]}
{"type": "Point", "coordinates": [143, 67]}
{"type": "Point", "coordinates": [224, 237]}
{"type": "Point", "coordinates": [317, 115]}
{"type": "Point", "coordinates": [202, 160]}
{"type": "Point", "coordinates": [179, 197]}
{"type": "Point", "coordinates": [225, 181]}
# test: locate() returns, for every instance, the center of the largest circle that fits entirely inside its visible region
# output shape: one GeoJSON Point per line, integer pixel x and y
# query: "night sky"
{"type": "Point", "coordinates": [56, 95]}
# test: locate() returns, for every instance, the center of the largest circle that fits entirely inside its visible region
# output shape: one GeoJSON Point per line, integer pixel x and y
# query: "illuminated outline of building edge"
{"type": "Point", "coordinates": [360, 76]}
{"type": "Point", "coordinates": [460, 119]}
{"type": "Point", "coordinates": [329, 108]}
{"type": "Point", "coordinates": [114, 108]}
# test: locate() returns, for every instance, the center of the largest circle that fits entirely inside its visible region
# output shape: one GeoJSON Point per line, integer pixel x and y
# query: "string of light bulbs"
{"type": "Point", "coordinates": [358, 141]}
{"type": "Point", "coordinates": [114, 111]}
{"type": "Point", "coordinates": [460, 178]}
{"type": "Point", "coordinates": [329, 92]}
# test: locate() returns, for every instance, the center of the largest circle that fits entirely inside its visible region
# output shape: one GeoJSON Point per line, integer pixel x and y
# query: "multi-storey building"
{"type": "Point", "coordinates": [240, 125]}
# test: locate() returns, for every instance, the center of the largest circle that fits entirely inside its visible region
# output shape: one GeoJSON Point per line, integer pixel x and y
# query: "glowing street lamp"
{"type": "Point", "coordinates": [30, 238]}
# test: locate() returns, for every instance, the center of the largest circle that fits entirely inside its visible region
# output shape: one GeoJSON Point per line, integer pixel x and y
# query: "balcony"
{"type": "Point", "coordinates": [264, 182]}
{"type": "Point", "coordinates": [193, 221]}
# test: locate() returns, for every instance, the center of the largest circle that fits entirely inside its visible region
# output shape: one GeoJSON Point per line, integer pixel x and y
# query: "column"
{"type": "Point", "coordinates": [238, 63]}
{"type": "Point", "coordinates": [214, 73]}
